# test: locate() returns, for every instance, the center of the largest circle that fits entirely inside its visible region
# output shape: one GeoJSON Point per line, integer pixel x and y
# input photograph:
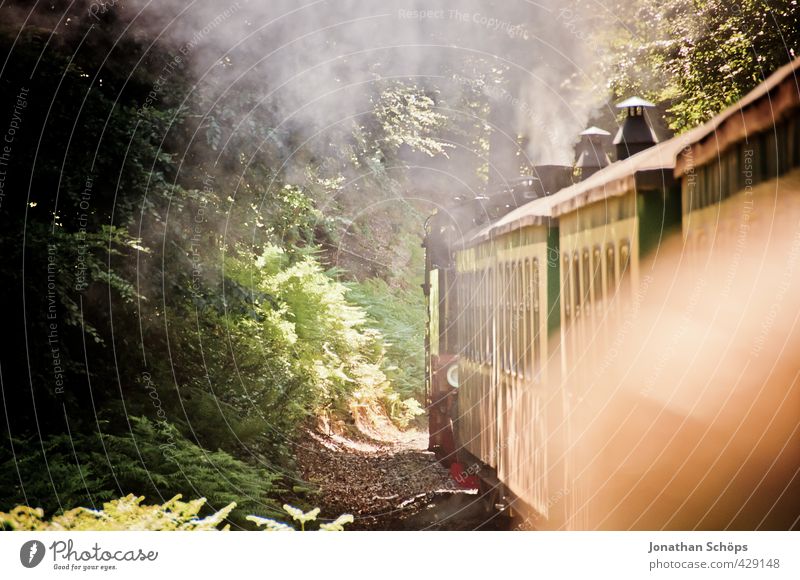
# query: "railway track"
{"type": "Point", "coordinates": [392, 483]}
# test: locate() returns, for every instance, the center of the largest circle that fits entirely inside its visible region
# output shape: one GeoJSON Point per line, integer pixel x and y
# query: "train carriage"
{"type": "Point", "coordinates": [571, 250]}
{"type": "Point", "coordinates": [753, 141]}
{"type": "Point", "coordinates": [504, 283]}
{"type": "Point", "coordinates": [551, 345]}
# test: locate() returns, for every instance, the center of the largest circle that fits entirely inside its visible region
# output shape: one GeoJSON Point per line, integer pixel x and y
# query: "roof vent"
{"type": "Point", "coordinates": [635, 135]}
{"type": "Point", "coordinates": [591, 151]}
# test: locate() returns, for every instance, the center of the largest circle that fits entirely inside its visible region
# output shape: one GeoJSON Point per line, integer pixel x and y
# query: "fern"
{"type": "Point", "coordinates": [302, 518]}
{"type": "Point", "coordinates": [126, 513]}
{"type": "Point", "coordinates": [155, 459]}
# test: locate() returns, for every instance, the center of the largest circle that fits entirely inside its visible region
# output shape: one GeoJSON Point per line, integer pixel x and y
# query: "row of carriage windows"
{"type": "Point", "coordinates": [507, 298]}
{"type": "Point", "coordinates": [591, 276]}
{"type": "Point", "coordinates": [764, 156]}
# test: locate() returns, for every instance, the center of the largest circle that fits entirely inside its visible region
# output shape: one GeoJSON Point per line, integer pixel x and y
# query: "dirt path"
{"type": "Point", "coordinates": [388, 481]}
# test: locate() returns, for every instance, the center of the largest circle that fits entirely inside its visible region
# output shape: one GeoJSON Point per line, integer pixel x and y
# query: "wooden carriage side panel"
{"type": "Point", "coordinates": [522, 423]}
{"type": "Point", "coordinates": [476, 421]}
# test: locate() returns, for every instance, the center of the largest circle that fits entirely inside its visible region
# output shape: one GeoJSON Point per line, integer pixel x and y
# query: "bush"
{"type": "Point", "coordinates": [304, 314]}
{"type": "Point", "coordinates": [398, 312]}
{"type": "Point", "coordinates": [128, 513]}
{"type": "Point", "coordinates": [125, 513]}
{"type": "Point", "coordinates": [301, 518]}
{"type": "Point", "coordinates": [154, 460]}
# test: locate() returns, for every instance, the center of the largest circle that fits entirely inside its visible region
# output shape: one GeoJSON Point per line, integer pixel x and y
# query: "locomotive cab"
{"type": "Point", "coordinates": [442, 231]}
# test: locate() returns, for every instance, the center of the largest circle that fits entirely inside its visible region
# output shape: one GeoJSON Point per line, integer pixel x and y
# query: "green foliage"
{"type": "Point", "coordinates": [270, 525]}
{"type": "Point", "coordinates": [153, 459]}
{"type": "Point", "coordinates": [302, 518]}
{"type": "Point", "coordinates": [241, 381]}
{"type": "Point", "coordinates": [76, 260]}
{"type": "Point", "coordinates": [397, 310]}
{"type": "Point", "coordinates": [698, 57]}
{"type": "Point", "coordinates": [168, 286]}
{"type": "Point", "coordinates": [403, 411]}
{"type": "Point", "coordinates": [126, 513]}
{"type": "Point", "coordinates": [338, 524]}
{"type": "Point", "coordinates": [177, 465]}
{"type": "Point", "coordinates": [408, 116]}
{"type": "Point", "coordinates": [300, 308]}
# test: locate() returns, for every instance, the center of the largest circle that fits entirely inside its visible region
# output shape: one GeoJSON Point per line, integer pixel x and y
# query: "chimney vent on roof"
{"type": "Point", "coordinates": [636, 134]}
{"type": "Point", "coordinates": [591, 151]}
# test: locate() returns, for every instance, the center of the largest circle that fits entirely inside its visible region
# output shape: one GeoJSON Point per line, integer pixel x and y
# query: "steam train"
{"type": "Point", "coordinates": [577, 360]}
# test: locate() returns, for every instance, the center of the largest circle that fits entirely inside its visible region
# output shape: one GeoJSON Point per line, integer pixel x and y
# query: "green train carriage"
{"type": "Point", "coordinates": [542, 290]}
{"type": "Point", "coordinates": [542, 279]}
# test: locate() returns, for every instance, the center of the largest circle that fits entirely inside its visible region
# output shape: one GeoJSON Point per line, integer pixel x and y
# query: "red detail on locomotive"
{"type": "Point", "coordinates": [462, 477]}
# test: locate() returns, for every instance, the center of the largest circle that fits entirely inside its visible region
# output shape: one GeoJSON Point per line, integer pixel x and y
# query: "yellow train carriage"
{"type": "Point", "coordinates": [714, 445]}
{"type": "Point", "coordinates": [754, 141]}
{"type": "Point", "coordinates": [503, 363]}
{"type": "Point", "coordinates": [574, 251]}
{"type": "Point", "coordinates": [477, 416]}
{"type": "Point", "coordinates": [604, 225]}
{"type": "Point", "coordinates": [545, 290]}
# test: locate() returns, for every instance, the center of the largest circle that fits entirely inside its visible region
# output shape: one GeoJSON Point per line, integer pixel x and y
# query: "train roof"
{"type": "Point", "coordinates": [763, 107]}
{"type": "Point", "coordinates": [758, 110]}
{"type": "Point", "coordinates": [615, 180]}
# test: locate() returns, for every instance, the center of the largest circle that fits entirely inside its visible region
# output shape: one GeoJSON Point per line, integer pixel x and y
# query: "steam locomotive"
{"type": "Point", "coordinates": [553, 373]}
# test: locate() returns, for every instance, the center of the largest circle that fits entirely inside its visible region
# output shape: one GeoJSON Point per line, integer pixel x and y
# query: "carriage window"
{"type": "Point", "coordinates": [483, 316]}
{"type": "Point", "coordinates": [624, 257]}
{"type": "Point", "coordinates": [566, 296]}
{"type": "Point", "coordinates": [713, 172]}
{"type": "Point", "coordinates": [586, 280]}
{"type": "Point", "coordinates": [507, 332]}
{"type": "Point", "coordinates": [527, 336]}
{"type": "Point", "coordinates": [796, 142]}
{"type": "Point", "coordinates": [783, 147]}
{"type": "Point", "coordinates": [700, 189]}
{"type": "Point", "coordinates": [474, 299]}
{"type": "Point", "coordinates": [464, 304]}
{"type": "Point", "coordinates": [460, 323]}
{"type": "Point", "coordinates": [515, 289]}
{"type": "Point", "coordinates": [597, 275]}
{"type": "Point", "coordinates": [534, 335]}
{"type": "Point", "coordinates": [501, 314]}
{"type": "Point", "coordinates": [483, 313]}
{"type": "Point", "coordinates": [711, 192]}
{"type": "Point", "coordinates": [477, 307]}
{"type": "Point", "coordinates": [611, 277]}
{"type": "Point", "coordinates": [521, 278]}
{"type": "Point", "coordinates": [500, 294]}
{"type": "Point", "coordinates": [521, 326]}
{"type": "Point", "coordinates": [475, 292]}
{"type": "Point", "coordinates": [512, 312]}
{"type": "Point", "coordinates": [474, 302]}
{"type": "Point", "coordinates": [490, 316]}
{"type": "Point", "coordinates": [703, 193]}
{"type": "Point", "coordinates": [465, 313]}
{"type": "Point", "coordinates": [576, 284]}
{"type": "Point", "coordinates": [473, 316]}
{"type": "Point", "coordinates": [487, 322]}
